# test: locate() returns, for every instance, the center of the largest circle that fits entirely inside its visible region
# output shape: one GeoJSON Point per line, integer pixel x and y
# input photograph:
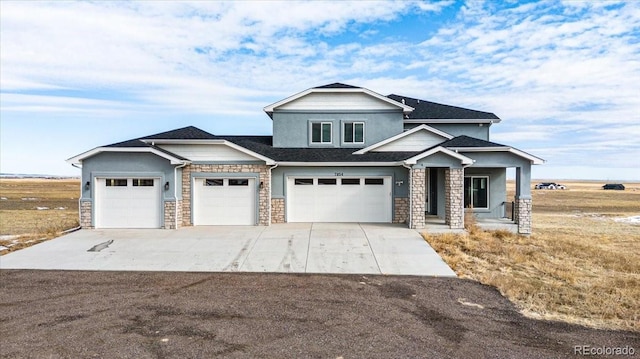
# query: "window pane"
{"type": "Point", "coordinates": [327, 181]}
{"type": "Point", "coordinates": [326, 132]}
{"type": "Point", "coordinates": [143, 182]}
{"type": "Point", "coordinates": [348, 132]}
{"type": "Point", "coordinates": [359, 133]}
{"type": "Point", "coordinates": [373, 181]}
{"type": "Point", "coordinates": [303, 181]}
{"type": "Point", "coordinates": [315, 132]}
{"type": "Point", "coordinates": [116, 182]}
{"type": "Point", "coordinates": [350, 181]}
{"type": "Point", "coordinates": [213, 182]}
{"type": "Point", "coordinates": [480, 192]}
{"type": "Point", "coordinates": [238, 182]}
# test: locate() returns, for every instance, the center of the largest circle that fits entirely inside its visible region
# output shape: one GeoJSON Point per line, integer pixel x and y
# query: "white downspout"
{"type": "Point", "coordinates": [270, 186]}
{"type": "Point", "coordinates": [175, 190]}
{"type": "Point", "coordinates": [410, 194]}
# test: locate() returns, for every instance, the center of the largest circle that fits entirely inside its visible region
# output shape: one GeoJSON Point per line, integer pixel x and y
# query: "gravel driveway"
{"type": "Point", "coordinates": [60, 314]}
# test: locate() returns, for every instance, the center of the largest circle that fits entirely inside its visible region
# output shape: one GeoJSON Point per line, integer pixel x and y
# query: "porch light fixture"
{"type": "Point", "coordinates": [166, 186]}
{"type": "Point", "coordinates": [261, 184]}
{"type": "Point", "coordinates": [87, 185]}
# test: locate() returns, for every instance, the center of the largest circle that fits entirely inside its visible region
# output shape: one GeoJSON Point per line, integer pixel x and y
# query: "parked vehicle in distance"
{"type": "Point", "coordinates": [615, 186]}
{"type": "Point", "coordinates": [550, 185]}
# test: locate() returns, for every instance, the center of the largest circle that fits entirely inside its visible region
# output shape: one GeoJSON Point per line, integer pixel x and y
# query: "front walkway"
{"type": "Point", "coordinates": [292, 247]}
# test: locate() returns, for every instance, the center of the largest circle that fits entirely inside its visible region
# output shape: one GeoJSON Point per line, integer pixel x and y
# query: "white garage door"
{"type": "Point", "coordinates": [128, 203]}
{"type": "Point", "coordinates": [224, 201]}
{"type": "Point", "coordinates": [339, 199]}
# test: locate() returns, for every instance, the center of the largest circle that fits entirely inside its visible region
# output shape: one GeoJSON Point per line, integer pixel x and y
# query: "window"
{"type": "Point", "coordinates": [350, 181]}
{"type": "Point", "coordinates": [239, 182]}
{"type": "Point", "coordinates": [321, 132]}
{"type": "Point", "coordinates": [116, 182]}
{"type": "Point", "coordinates": [476, 192]}
{"type": "Point", "coordinates": [374, 181]}
{"type": "Point", "coordinates": [354, 132]}
{"type": "Point", "coordinates": [327, 181]}
{"type": "Point", "coordinates": [303, 181]}
{"type": "Point", "coordinates": [214, 182]}
{"type": "Point", "coordinates": [142, 182]}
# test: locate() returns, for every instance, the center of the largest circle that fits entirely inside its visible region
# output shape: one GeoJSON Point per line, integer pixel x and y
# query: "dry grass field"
{"type": "Point", "coordinates": [580, 265]}
{"type": "Point", "coordinates": [33, 210]}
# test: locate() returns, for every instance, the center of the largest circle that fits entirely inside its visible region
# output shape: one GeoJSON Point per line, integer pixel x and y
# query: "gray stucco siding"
{"type": "Point", "coordinates": [497, 190]}
{"type": "Point", "coordinates": [292, 129]}
{"type": "Point", "coordinates": [279, 176]}
{"type": "Point", "coordinates": [119, 164]}
{"type": "Point", "coordinates": [458, 129]}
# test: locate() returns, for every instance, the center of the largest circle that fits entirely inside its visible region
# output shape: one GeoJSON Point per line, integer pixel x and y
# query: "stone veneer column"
{"type": "Point", "coordinates": [264, 201]}
{"type": "Point", "coordinates": [417, 188]}
{"type": "Point", "coordinates": [277, 210]}
{"type": "Point", "coordinates": [400, 210]}
{"type": "Point", "coordinates": [453, 197]}
{"type": "Point", "coordinates": [85, 214]}
{"type": "Point", "coordinates": [524, 207]}
{"type": "Point", "coordinates": [169, 215]}
{"type": "Point", "coordinates": [515, 209]}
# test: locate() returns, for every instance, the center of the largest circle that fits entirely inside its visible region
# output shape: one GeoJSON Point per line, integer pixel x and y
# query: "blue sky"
{"type": "Point", "coordinates": [563, 76]}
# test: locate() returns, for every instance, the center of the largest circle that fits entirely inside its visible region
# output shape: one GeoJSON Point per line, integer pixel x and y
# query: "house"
{"type": "Point", "coordinates": [338, 153]}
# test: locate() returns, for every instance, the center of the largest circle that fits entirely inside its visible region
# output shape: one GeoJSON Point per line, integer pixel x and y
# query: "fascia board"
{"type": "Point", "coordinates": [534, 160]}
{"type": "Point", "coordinates": [79, 158]}
{"type": "Point", "coordinates": [463, 159]}
{"type": "Point", "coordinates": [452, 120]}
{"type": "Point", "coordinates": [404, 134]}
{"type": "Point", "coordinates": [339, 164]}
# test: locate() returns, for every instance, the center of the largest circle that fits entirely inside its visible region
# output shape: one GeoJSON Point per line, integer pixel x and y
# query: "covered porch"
{"type": "Point", "coordinates": [444, 185]}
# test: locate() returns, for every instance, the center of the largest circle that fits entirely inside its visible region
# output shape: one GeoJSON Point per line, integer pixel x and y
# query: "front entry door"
{"type": "Point", "coordinates": [433, 191]}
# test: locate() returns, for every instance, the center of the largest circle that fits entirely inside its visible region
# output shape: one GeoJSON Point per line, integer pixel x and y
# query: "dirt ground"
{"type": "Point", "coordinates": [47, 314]}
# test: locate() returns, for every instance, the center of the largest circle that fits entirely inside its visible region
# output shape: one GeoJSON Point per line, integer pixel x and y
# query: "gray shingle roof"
{"type": "Point", "coordinates": [433, 110]}
{"type": "Point", "coordinates": [337, 85]}
{"type": "Point", "coordinates": [263, 145]}
{"type": "Point", "coordinates": [466, 141]}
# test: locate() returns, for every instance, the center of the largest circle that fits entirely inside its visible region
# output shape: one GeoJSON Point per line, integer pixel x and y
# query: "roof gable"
{"type": "Point", "coordinates": [415, 139]}
{"type": "Point", "coordinates": [185, 133]}
{"type": "Point", "coordinates": [337, 97]}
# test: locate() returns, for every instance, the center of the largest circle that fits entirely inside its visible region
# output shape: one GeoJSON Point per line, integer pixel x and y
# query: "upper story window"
{"type": "Point", "coordinates": [321, 132]}
{"type": "Point", "coordinates": [353, 132]}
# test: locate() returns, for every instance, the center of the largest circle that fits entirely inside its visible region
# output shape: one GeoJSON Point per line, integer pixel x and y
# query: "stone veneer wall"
{"type": "Point", "coordinates": [524, 206]}
{"type": "Point", "coordinates": [277, 210]}
{"type": "Point", "coordinates": [400, 210]}
{"type": "Point", "coordinates": [454, 197]}
{"type": "Point", "coordinates": [85, 214]}
{"type": "Point", "coordinates": [417, 193]}
{"type": "Point", "coordinates": [169, 215]}
{"type": "Point", "coordinates": [264, 204]}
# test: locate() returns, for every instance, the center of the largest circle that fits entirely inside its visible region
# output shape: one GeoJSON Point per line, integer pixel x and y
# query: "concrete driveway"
{"type": "Point", "coordinates": [356, 248]}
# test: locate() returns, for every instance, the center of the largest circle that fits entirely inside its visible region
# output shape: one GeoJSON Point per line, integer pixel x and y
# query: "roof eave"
{"type": "Point", "coordinates": [534, 159]}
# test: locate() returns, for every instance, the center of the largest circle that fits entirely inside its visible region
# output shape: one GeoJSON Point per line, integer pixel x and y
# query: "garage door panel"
{"type": "Point", "coordinates": [223, 204]}
{"type": "Point", "coordinates": [354, 202]}
{"type": "Point", "coordinates": [127, 206]}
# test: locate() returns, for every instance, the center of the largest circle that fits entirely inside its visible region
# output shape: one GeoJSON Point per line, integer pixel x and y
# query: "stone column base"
{"type": "Point", "coordinates": [523, 210]}
{"type": "Point", "coordinates": [86, 213]}
{"type": "Point", "coordinates": [400, 210]}
{"type": "Point", "coordinates": [454, 197]}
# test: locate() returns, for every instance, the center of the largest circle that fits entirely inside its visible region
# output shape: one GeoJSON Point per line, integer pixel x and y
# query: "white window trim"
{"type": "Point", "coordinates": [322, 123]}
{"type": "Point", "coordinates": [488, 191]}
{"type": "Point", "coordinates": [344, 123]}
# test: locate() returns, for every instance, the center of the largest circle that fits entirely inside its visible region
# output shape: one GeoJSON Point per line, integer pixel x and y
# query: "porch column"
{"type": "Point", "coordinates": [522, 201]}
{"type": "Point", "coordinates": [454, 197]}
{"type": "Point", "coordinates": [417, 197]}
